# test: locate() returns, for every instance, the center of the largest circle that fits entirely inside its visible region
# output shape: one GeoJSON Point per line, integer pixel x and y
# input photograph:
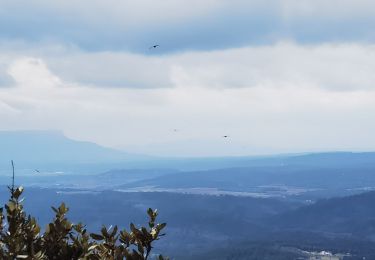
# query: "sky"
{"type": "Point", "coordinates": [276, 76]}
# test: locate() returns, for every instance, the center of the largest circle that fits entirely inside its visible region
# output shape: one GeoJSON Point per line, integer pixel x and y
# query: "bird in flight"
{"type": "Point", "coordinates": [225, 136]}
{"type": "Point", "coordinates": [37, 171]}
{"type": "Point", "coordinates": [154, 46]}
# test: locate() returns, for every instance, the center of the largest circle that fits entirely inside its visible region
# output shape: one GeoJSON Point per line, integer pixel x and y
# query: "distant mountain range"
{"type": "Point", "coordinates": [52, 147]}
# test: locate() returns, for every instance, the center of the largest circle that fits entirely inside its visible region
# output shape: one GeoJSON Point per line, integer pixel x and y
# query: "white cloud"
{"type": "Point", "coordinates": [339, 67]}
{"type": "Point", "coordinates": [282, 98]}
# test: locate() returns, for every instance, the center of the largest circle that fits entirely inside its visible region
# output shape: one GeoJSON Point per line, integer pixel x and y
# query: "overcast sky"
{"type": "Point", "coordinates": [276, 76]}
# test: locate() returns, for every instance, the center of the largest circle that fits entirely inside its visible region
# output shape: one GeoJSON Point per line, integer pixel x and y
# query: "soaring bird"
{"type": "Point", "coordinates": [154, 46]}
{"type": "Point", "coordinates": [37, 171]}
{"type": "Point", "coordinates": [225, 136]}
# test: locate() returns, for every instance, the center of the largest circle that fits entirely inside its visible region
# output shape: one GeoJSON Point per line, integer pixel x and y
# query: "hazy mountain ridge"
{"type": "Point", "coordinates": [50, 146]}
{"type": "Point", "coordinates": [45, 148]}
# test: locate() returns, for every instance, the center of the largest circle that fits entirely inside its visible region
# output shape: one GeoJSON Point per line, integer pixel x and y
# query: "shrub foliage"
{"type": "Point", "coordinates": [21, 236]}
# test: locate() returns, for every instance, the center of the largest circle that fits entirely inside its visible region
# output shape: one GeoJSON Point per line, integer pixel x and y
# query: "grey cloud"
{"type": "Point", "coordinates": [178, 26]}
{"type": "Point", "coordinates": [112, 70]}
{"type": "Point", "coordinates": [5, 79]}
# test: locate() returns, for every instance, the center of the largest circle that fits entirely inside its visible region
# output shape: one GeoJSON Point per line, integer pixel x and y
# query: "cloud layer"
{"type": "Point", "coordinates": [337, 67]}
{"type": "Point", "coordinates": [270, 99]}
